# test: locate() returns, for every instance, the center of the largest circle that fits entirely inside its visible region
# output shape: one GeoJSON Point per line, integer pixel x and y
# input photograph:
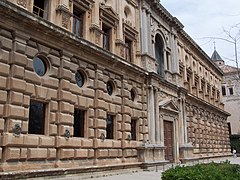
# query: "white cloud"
{"type": "Point", "coordinates": [207, 18]}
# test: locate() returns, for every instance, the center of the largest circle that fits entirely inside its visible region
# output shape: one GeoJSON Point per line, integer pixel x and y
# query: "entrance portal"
{"type": "Point", "coordinates": [168, 140]}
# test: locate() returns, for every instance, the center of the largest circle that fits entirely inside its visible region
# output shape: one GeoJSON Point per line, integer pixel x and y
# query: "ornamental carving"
{"type": "Point", "coordinates": [65, 19]}
{"type": "Point", "coordinates": [22, 3]}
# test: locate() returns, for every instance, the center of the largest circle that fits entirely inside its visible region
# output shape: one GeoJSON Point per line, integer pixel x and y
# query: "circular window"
{"type": "Point", "coordinates": [133, 94]}
{"type": "Point", "coordinates": [79, 77]}
{"type": "Point", "coordinates": [40, 66]}
{"type": "Point", "coordinates": [109, 88]}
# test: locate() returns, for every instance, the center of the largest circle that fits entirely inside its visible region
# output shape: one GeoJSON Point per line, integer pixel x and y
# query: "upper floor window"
{"type": "Point", "coordinates": [128, 50]}
{"type": "Point", "coordinates": [106, 37]}
{"type": "Point", "coordinates": [223, 91]}
{"type": "Point", "coordinates": [159, 54]}
{"type": "Point", "coordinates": [36, 122]}
{"type": "Point", "coordinates": [77, 25]}
{"type": "Point", "coordinates": [40, 8]}
{"type": "Point", "coordinates": [231, 91]}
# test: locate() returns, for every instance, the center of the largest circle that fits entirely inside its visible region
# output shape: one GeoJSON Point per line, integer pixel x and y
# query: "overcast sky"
{"type": "Point", "coordinates": [208, 18]}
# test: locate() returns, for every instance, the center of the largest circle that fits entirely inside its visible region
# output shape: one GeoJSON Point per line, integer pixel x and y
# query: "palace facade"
{"type": "Point", "coordinates": [95, 83]}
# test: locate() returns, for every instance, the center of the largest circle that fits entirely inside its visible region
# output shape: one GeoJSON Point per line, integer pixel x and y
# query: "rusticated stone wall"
{"type": "Point", "coordinates": [207, 131]}
{"type": "Point", "coordinates": [58, 90]}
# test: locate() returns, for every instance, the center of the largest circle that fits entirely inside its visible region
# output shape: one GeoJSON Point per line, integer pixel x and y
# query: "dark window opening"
{"type": "Point", "coordinates": [79, 77]}
{"type": "Point", "coordinates": [223, 91]}
{"type": "Point", "coordinates": [77, 28]}
{"type": "Point", "coordinates": [40, 8]}
{"type": "Point", "coordinates": [231, 91]}
{"type": "Point", "coordinates": [39, 66]}
{"type": "Point", "coordinates": [229, 128]}
{"type": "Point", "coordinates": [109, 88]}
{"type": "Point", "coordinates": [106, 37]}
{"type": "Point", "coordinates": [133, 94]}
{"type": "Point", "coordinates": [128, 50]}
{"type": "Point", "coordinates": [36, 117]}
{"type": "Point", "coordinates": [79, 122]}
{"type": "Point", "coordinates": [134, 129]}
{"type": "Point", "coordinates": [159, 54]}
{"type": "Point", "coordinates": [110, 127]}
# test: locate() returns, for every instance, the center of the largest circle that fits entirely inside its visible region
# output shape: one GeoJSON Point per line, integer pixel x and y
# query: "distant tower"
{"type": "Point", "coordinates": [217, 58]}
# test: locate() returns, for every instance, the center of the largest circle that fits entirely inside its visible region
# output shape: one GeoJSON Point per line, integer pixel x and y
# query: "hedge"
{"type": "Point", "coordinates": [210, 171]}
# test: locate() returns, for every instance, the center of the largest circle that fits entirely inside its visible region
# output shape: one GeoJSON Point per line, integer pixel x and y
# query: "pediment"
{"type": "Point", "coordinates": [109, 14]}
{"type": "Point", "coordinates": [169, 105]}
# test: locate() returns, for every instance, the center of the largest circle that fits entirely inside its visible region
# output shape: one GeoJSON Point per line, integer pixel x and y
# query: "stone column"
{"type": "Point", "coordinates": [157, 128]}
{"type": "Point", "coordinates": [151, 115]}
{"type": "Point", "coordinates": [144, 29]}
{"type": "Point", "coordinates": [162, 129]}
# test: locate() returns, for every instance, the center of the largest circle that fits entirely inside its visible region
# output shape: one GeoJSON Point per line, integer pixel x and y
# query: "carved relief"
{"type": "Point", "coordinates": [65, 19]}
{"type": "Point", "coordinates": [97, 37]}
{"type": "Point", "coordinates": [22, 3]}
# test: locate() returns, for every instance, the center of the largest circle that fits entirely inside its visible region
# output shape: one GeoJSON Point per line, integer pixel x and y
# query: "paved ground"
{"type": "Point", "coordinates": [140, 175]}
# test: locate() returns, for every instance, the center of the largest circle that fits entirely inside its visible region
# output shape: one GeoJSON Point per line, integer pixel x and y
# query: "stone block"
{"type": "Point", "coordinates": [66, 153]}
{"type": "Point", "coordinates": [91, 133]}
{"type": "Point", "coordinates": [87, 143]}
{"type": "Point", "coordinates": [126, 127]}
{"type": "Point", "coordinates": [11, 123]}
{"type": "Point", "coordinates": [15, 98]}
{"type": "Point", "coordinates": [119, 135]}
{"type": "Point", "coordinates": [81, 153]}
{"type": "Point", "coordinates": [117, 100]}
{"type": "Point", "coordinates": [101, 104]}
{"type": "Point", "coordinates": [90, 102]}
{"type": "Point", "coordinates": [107, 143]}
{"type": "Point", "coordinates": [4, 69]}
{"type": "Point", "coordinates": [52, 129]}
{"type": "Point", "coordinates": [37, 153]}
{"type": "Point", "coordinates": [17, 71]}
{"type": "Point", "coordinates": [46, 141]}
{"type": "Point", "coordinates": [53, 106]}
{"type": "Point", "coordinates": [12, 154]}
{"type": "Point", "coordinates": [26, 100]}
{"type": "Point", "coordinates": [3, 96]}
{"type": "Point", "coordinates": [1, 110]}
{"type": "Point", "coordinates": [23, 153]}
{"type": "Point", "coordinates": [10, 140]}
{"type": "Point", "coordinates": [126, 118]}
{"type": "Point", "coordinates": [65, 95]}
{"type": "Point", "coordinates": [12, 111]}
{"type": "Point", "coordinates": [90, 123]}
{"type": "Point", "coordinates": [26, 113]}
{"type": "Point", "coordinates": [17, 58]}
{"type": "Point", "coordinates": [100, 85]}
{"type": "Point", "coordinates": [91, 113]}
{"type": "Point", "coordinates": [64, 84]}
{"type": "Point", "coordinates": [116, 144]}
{"type": "Point", "coordinates": [101, 113]}
{"type": "Point", "coordinates": [30, 89]}
{"type": "Point", "coordinates": [119, 118]}
{"type": "Point", "coordinates": [113, 153]}
{"type": "Point", "coordinates": [99, 132]}
{"type": "Point", "coordinates": [89, 92]}
{"type": "Point", "coordinates": [4, 56]}
{"type": "Point", "coordinates": [17, 84]}
{"type": "Point", "coordinates": [52, 118]}
{"type": "Point", "coordinates": [51, 153]}
{"type": "Point", "coordinates": [65, 74]}
{"type": "Point", "coordinates": [50, 82]}
{"type": "Point", "coordinates": [6, 43]}
{"type": "Point", "coordinates": [66, 119]}
{"type": "Point", "coordinates": [3, 82]}
{"type": "Point", "coordinates": [66, 107]}
{"type": "Point", "coordinates": [127, 110]}
{"type": "Point", "coordinates": [119, 126]}
{"type": "Point", "coordinates": [30, 51]}
{"type": "Point", "coordinates": [62, 130]}
{"type": "Point", "coordinates": [101, 153]}
{"type": "Point", "coordinates": [1, 125]}
{"type": "Point", "coordinates": [71, 142]}
{"type": "Point", "coordinates": [32, 77]}
{"type": "Point", "coordinates": [100, 123]}
{"type": "Point", "coordinates": [90, 153]}
{"type": "Point", "coordinates": [31, 140]}
{"type": "Point", "coordinates": [24, 126]}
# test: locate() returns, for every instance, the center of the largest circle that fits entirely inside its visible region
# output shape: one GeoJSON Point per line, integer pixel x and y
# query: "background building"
{"type": "Point", "coordinates": [103, 83]}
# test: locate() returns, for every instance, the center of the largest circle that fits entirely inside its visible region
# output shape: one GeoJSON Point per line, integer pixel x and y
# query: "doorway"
{"type": "Point", "coordinates": [168, 140]}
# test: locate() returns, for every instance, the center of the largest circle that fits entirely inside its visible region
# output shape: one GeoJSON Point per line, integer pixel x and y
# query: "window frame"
{"type": "Point", "coordinates": [81, 133]}
{"type": "Point", "coordinates": [112, 133]}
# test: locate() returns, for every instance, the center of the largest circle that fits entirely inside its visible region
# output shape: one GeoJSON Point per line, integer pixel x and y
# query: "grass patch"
{"type": "Point", "coordinates": [210, 171]}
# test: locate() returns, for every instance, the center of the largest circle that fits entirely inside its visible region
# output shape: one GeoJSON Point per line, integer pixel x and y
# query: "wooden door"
{"type": "Point", "coordinates": [168, 140]}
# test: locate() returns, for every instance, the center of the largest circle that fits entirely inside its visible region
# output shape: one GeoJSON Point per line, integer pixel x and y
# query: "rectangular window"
{"type": "Point", "coordinates": [36, 117]}
{"type": "Point", "coordinates": [106, 37]}
{"type": "Point", "coordinates": [223, 91]}
{"type": "Point", "coordinates": [134, 129]}
{"type": "Point", "coordinates": [110, 127]}
{"type": "Point", "coordinates": [128, 50]}
{"type": "Point", "coordinates": [231, 91]}
{"type": "Point", "coordinates": [79, 123]}
{"type": "Point", "coordinates": [40, 8]}
{"type": "Point", "coordinates": [77, 28]}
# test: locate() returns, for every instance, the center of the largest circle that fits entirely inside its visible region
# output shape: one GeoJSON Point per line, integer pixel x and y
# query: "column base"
{"type": "Point", "coordinates": [186, 151]}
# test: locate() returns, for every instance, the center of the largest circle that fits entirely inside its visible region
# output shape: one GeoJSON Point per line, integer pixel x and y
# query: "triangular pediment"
{"type": "Point", "coordinates": [169, 105]}
{"type": "Point", "coordinates": [110, 11]}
